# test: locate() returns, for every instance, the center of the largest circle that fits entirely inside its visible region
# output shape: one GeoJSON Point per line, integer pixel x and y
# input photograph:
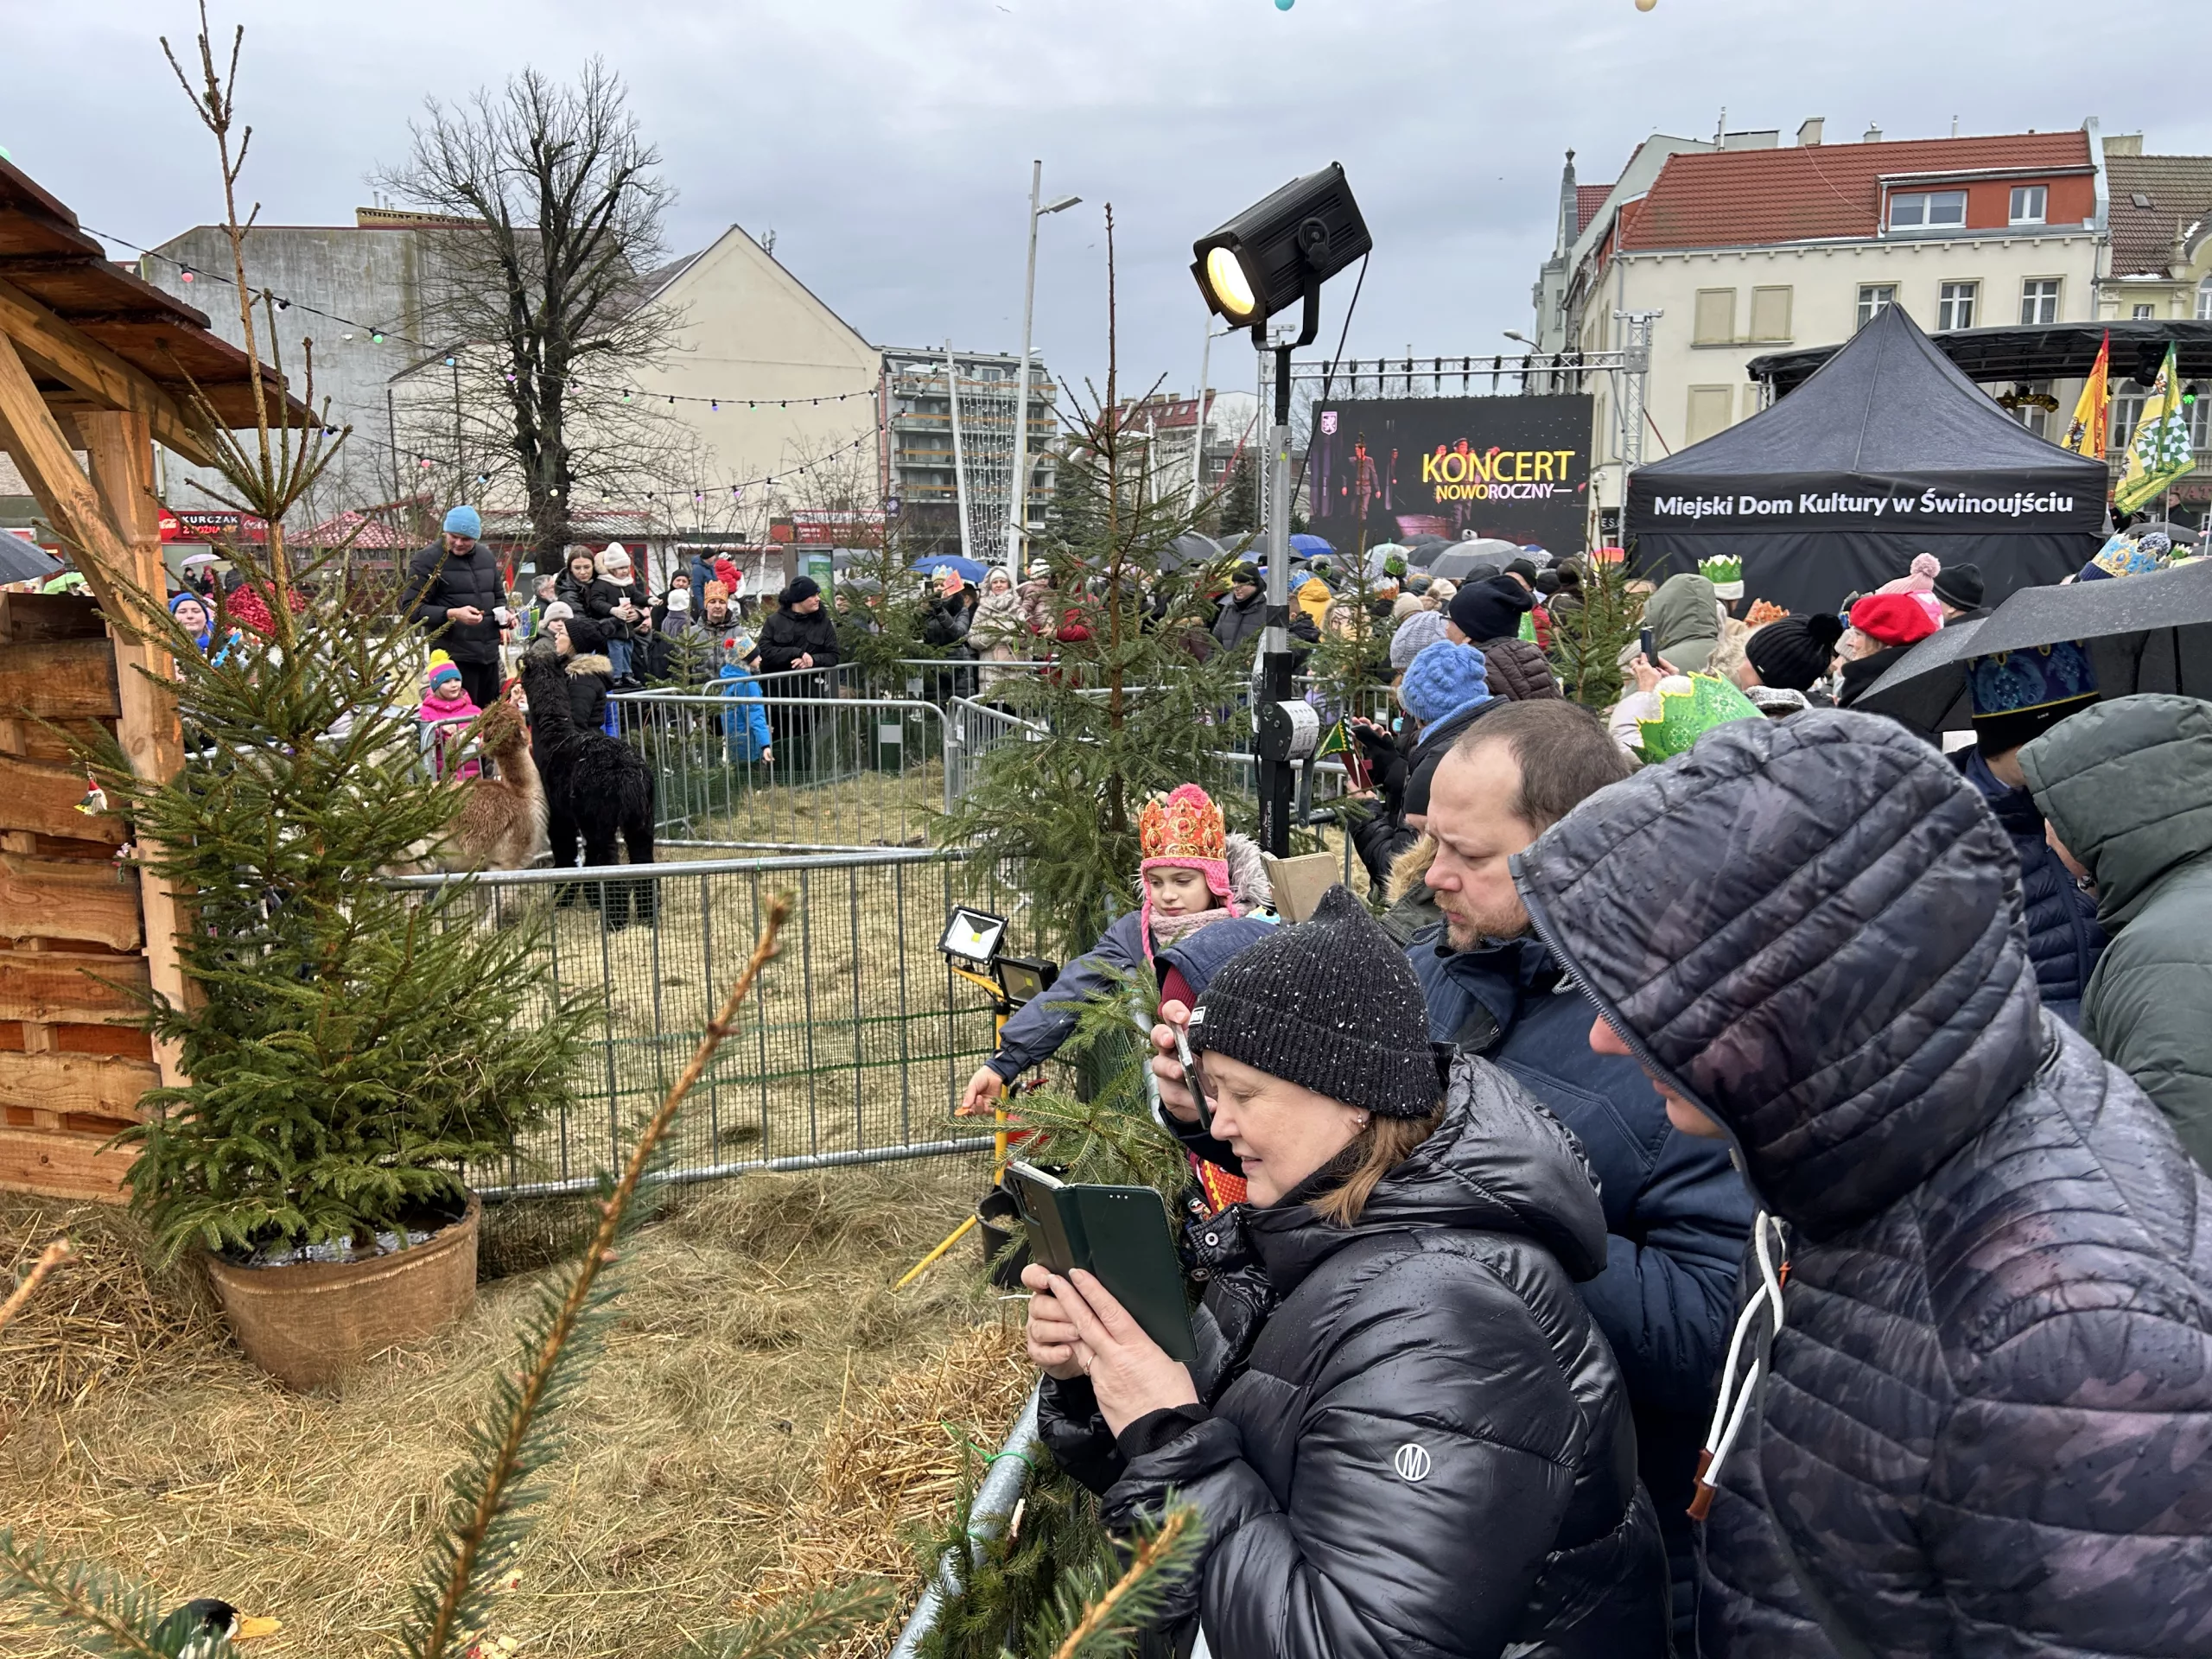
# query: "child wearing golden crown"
{"type": "Point", "coordinates": [1200, 886]}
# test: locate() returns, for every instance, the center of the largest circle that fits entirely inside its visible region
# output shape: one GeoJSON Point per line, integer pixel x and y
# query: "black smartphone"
{"type": "Point", "coordinates": [1647, 642]}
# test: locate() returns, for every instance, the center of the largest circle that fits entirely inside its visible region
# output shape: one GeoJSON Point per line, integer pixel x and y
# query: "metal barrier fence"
{"type": "Point", "coordinates": [852, 1048]}
{"type": "Point", "coordinates": [765, 771]}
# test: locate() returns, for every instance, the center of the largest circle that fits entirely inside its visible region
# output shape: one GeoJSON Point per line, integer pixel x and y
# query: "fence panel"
{"type": "Point", "coordinates": [835, 772]}
{"type": "Point", "coordinates": [852, 1049]}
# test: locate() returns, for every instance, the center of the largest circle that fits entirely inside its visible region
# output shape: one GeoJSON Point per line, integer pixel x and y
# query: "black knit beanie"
{"type": "Point", "coordinates": [1329, 1004]}
{"type": "Point", "coordinates": [586, 637]}
{"type": "Point", "coordinates": [1490, 609]}
{"type": "Point", "coordinates": [1792, 651]}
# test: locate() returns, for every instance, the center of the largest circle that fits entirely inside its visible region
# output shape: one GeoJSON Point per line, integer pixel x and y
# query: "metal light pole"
{"type": "Point", "coordinates": [959, 460]}
{"type": "Point", "coordinates": [1017, 507]}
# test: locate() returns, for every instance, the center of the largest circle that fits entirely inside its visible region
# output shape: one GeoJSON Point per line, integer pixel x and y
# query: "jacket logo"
{"type": "Point", "coordinates": [1411, 1463]}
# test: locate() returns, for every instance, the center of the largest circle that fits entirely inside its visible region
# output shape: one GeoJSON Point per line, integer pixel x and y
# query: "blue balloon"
{"type": "Point", "coordinates": [1285, 5]}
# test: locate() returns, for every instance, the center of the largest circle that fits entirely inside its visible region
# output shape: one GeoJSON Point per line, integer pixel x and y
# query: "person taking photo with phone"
{"type": "Point", "coordinates": [1403, 1433]}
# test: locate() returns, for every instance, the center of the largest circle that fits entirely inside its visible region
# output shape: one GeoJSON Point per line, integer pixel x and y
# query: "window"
{"type": "Point", "coordinates": [1874, 300]}
{"type": "Point", "coordinates": [2199, 424]}
{"type": "Point", "coordinates": [1716, 317]}
{"type": "Point", "coordinates": [2143, 311]}
{"type": "Point", "coordinates": [2126, 415]}
{"type": "Point", "coordinates": [1770, 313]}
{"type": "Point", "coordinates": [2039, 300]}
{"type": "Point", "coordinates": [2037, 421]}
{"type": "Point", "coordinates": [1954, 308]}
{"type": "Point", "coordinates": [1710, 408]}
{"type": "Point", "coordinates": [2205, 299]}
{"type": "Point", "coordinates": [1928, 210]}
{"type": "Point", "coordinates": [1752, 400]}
{"type": "Point", "coordinates": [2028, 203]}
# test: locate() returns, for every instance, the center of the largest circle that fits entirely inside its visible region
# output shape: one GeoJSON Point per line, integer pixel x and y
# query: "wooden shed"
{"type": "Point", "coordinates": [92, 361]}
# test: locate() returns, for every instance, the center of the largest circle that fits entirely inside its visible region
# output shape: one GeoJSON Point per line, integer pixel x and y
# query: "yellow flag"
{"type": "Point", "coordinates": [2093, 413]}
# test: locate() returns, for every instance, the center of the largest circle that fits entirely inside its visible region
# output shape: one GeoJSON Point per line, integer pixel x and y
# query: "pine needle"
{"type": "Point", "coordinates": [1110, 1616]}
{"type": "Point", "coordinates": [802, 1626]}
{"type": "Point", "coordinates": [100, 1611]}
{"type": "Point", "coordinates": [483, 1529]}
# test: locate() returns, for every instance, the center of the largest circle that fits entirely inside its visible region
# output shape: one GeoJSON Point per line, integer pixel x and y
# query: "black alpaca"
{"type": "Point", "coordinates": [596, 787]}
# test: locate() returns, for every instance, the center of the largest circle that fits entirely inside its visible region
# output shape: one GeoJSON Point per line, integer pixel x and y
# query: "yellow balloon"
{"type": "Point", "coordinates": [1645, 5]}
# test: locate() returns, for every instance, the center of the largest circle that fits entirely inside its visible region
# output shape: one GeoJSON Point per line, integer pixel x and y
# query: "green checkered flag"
{"type": "Point", "coordinates": [2159, 451]}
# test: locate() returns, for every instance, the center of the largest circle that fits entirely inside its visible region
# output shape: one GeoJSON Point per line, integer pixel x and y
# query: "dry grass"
{"type": "Point", "coordinates": [767, 1413]}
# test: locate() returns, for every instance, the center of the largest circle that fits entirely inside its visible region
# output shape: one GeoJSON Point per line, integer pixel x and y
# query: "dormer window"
{"type": "Point", "coordinates": [2029, 202]}
{"type": "Point", "coordinates": [1925, 210]}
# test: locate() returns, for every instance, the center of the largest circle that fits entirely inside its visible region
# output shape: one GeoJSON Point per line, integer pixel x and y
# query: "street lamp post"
{"type": "Point", "coordinates": [1017, 508]}
{"type": "Point", "coordinates": [1274, 255]}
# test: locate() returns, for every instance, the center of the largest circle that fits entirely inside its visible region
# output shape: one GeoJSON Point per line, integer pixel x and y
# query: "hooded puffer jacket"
{"type": "Point", "coordinates": [1981, 1426]}
{"type": "Point", "coordinates": [1518, 671]}
{"type": "Point", "coordinates": [1416, 1441]}
{"type": "Point", "coordinates": [2063, 938]}
{"type": "Point", "coordinates": [2127, 785]}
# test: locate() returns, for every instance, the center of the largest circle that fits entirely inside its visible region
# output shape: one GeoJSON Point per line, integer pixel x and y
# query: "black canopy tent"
{"type": "Point", "coordinates": [1885, 452]}
{"type": "Point", "coordinates": [2036, 351]}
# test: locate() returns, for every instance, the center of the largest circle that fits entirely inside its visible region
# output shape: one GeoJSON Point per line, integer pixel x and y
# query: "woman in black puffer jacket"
{"type": "Point", "coordinates": [1403, 1434]}
{"type": "Point", "coordinates": [1981, 1426]}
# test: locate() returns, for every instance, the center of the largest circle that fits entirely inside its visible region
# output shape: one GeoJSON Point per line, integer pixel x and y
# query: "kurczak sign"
{"type": "Point", "coordinates": [1892, 501]}
{"type": "Point", "coordinates": [1516, 468]}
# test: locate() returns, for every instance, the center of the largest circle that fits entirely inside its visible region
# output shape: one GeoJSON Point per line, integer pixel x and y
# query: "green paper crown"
{"type": "Point", "coordinates": [1720, 568]}
{"type": "Point", "coordinates": [1689, 707]}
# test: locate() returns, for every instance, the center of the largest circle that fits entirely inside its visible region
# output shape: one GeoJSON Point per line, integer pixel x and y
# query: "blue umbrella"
{"type": "Point", "coordinates": [1311, 547]}
{"type": "Point", "coordinates": [969, 568]}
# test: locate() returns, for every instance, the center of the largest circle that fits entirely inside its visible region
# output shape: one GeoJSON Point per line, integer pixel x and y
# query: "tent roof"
{"type": "Point", "coordinates": [1888, 401]}
{"type": "Point", "coordinates": [2043, 351]}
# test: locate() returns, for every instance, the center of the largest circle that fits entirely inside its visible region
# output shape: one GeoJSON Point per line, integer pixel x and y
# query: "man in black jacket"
{"type": "Point", "coordinates": [453, 591]}
{"type": "Point", "coordinates": [1676, 1214]}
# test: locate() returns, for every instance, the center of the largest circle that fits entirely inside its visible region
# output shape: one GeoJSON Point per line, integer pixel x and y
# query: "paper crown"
{"type": "Point", "coordinates": [1690, 705]}
{"type": "Point", "coordinates": [2030, 681]}
{"type": "Point", "coordinates": [1725, 574]}
{"type": "Point", "coordinates": [1183, 823]}
{"type": "Point", "coordinates": [2132, 554]}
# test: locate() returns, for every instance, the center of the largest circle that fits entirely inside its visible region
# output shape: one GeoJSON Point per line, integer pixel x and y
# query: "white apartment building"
{"type": "Point", "coordinates": [1753, 246]}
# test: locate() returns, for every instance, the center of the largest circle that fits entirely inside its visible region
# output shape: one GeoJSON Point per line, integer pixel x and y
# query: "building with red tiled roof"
{"type": "Point", "coordinates": [1733, 249]}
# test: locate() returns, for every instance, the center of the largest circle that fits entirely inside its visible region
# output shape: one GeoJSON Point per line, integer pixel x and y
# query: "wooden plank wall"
{"type": "Point", "coordinates": [72, 937]}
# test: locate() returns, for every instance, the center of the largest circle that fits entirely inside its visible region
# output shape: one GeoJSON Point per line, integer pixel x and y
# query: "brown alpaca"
{"type": "Point", "coordinates": [501, 825]}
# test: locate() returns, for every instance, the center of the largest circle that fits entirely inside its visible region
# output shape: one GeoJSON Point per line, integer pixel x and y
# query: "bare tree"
{"type": "Point", "coordinates": [541, 284]}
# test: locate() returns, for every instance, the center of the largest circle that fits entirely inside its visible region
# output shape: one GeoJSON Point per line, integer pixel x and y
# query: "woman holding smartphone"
{"type": "Point", "coordinates": [1402, 1434]}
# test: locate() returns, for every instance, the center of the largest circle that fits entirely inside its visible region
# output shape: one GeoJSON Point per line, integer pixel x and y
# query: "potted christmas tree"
{"type": "Point", "coordinates": [349, 1048]}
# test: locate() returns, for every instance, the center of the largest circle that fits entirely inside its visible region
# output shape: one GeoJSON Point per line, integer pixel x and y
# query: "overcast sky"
{"type": "Point", "coordinates": [887, 143]}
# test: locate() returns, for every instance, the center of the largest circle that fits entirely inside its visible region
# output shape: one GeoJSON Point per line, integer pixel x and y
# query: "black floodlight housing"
{"type": "Point", "coordinates": [1278, 253]}
{"type": "Point", "coordinates": [1024, 979]}
{"type": "Point", "coordinates": [972, 936]}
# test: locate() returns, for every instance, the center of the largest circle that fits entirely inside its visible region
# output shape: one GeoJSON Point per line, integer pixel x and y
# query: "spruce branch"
{"type": "Point", "coordinates": [1109, 1624]}
{"type": "Point", "coordinates": [483, 1526]}
{"type": "Point", "coordinates": [99, 1611]}
{"type": "Point", "coordinates": [52, 1256]}
{"type": "Point", "coordinates": [800, 1627]}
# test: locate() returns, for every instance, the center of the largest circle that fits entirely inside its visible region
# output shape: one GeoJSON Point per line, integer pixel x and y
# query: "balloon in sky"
{"type": "Point", "coordinates": [1645, 5]}
{"type": "Point", "coordinates": [1285, 5]}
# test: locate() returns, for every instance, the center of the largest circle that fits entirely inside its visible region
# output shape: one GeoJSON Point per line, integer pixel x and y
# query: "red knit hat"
{"type": "Point", "coordinates": [1892, 619]}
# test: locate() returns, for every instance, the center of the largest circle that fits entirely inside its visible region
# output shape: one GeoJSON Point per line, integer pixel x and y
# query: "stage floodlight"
{"type": "Point", "coordinates": [1279, 251]}
{"type": "Point", "coordinates": [972, 935]}
{"type": "Point", "coordinates": [1024, 979]}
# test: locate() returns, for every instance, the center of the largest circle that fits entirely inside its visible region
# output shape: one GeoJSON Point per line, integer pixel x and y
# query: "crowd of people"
{"type": "Point", "coordinates": [1746, 1195]}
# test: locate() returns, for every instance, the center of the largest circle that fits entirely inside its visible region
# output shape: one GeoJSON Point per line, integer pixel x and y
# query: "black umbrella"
{"type": "Point", "coordinates": [2144, 633]}
{"type": "Point", "coordinates": [1926, 687]}
{"type": "Point", "coordinates": [23, 561]}
{"type": "Point", "coordinates": [1188, 549]}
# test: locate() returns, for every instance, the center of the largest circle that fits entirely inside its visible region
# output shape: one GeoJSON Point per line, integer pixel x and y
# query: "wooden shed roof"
{"type": "Point", "coordinates": [106, 333]}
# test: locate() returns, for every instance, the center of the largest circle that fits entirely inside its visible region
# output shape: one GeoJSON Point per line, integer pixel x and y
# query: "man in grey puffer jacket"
{"type": "Point", "coordinates": [1985, 1423]}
